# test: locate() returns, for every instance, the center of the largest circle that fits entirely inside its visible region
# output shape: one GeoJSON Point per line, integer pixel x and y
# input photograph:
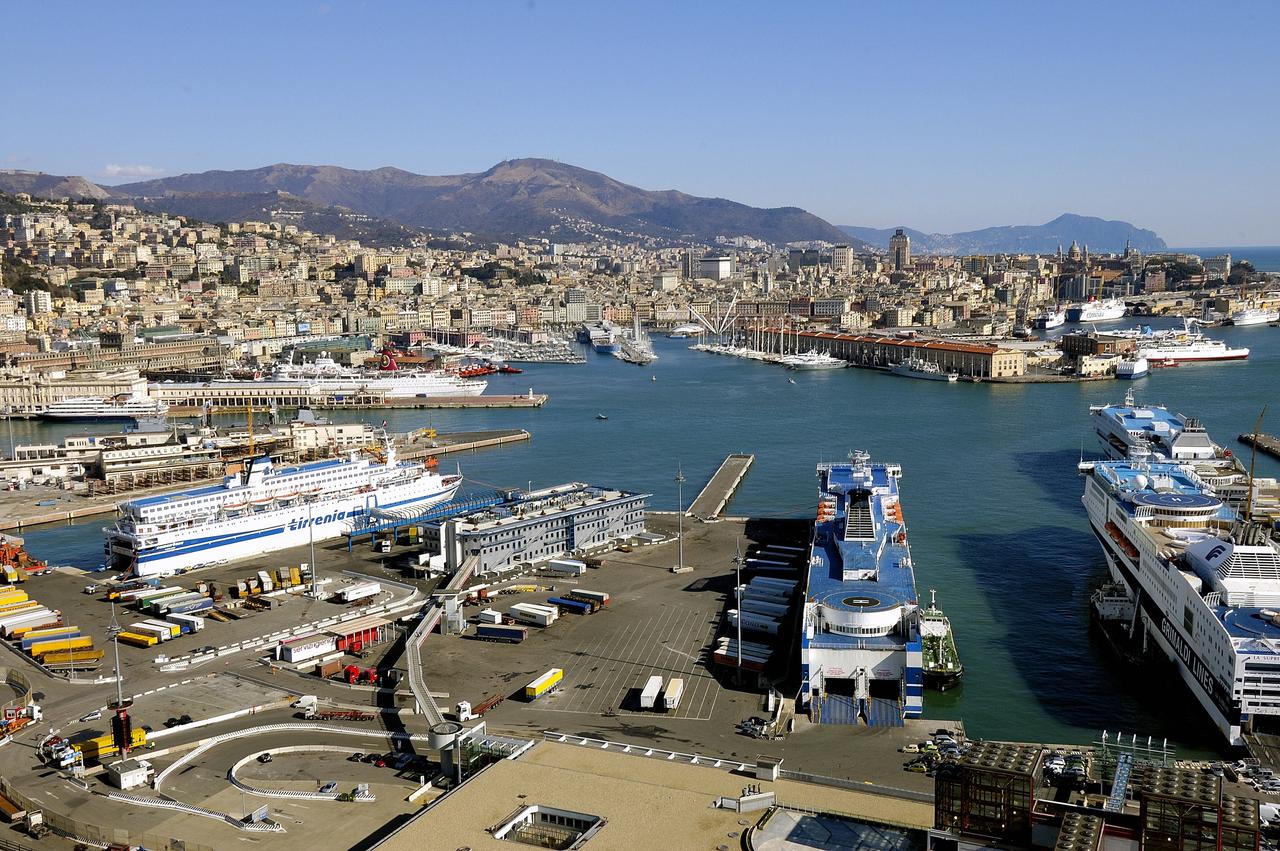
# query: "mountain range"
{"type": "Point", "coordinates": [530, 198]}
{"type": "Point", "coordinates": [1098, 234]}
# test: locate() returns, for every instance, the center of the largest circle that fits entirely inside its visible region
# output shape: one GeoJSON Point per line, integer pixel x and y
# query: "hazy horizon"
{"type": "Point", "coordinates": [942, 118]}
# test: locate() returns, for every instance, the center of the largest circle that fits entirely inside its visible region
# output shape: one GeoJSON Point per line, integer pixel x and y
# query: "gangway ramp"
{"type": "Point", "coordinates": [716, 495]}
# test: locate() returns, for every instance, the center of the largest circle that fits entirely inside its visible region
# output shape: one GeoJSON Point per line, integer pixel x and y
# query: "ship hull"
{"type": "Point", "coordinates": [942, 680]}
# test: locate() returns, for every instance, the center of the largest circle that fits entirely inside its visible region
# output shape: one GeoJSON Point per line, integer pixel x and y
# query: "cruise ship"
{"type": "Point", "coordinates": [1189, 347]}
{"type": "Point", "coordinates": [122, 407]}
{"type": "Point", "coordinates": [1191, 579]}
{"type": "Point", "coordinates": [1097, 311]}
{"type": "Point", "coordinates": [1254, 316]}
{"type": "Point", "coordinates": [264, 508]}
{"type": "Point", "coordinates": [861, 650]}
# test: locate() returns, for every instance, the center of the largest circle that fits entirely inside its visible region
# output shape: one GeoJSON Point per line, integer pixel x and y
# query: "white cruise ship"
{"type": "Point", "coordinates": [1191, 580]}
{"type": "Point", "coordinates": [1254, 316]}
{"type": "Point", "coordinates": [263, 509]}
{"type": "Point", "coordinates": [122, 407]}
{"type": "Point", "coordinates": [1192, 347]}
{"type": "Point", "coordinates": [1097, 311]}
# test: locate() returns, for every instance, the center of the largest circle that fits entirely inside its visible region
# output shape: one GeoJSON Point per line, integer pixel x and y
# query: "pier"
{"type": "Point", "coordinates": [1263, 442]}
{"type": "Point", "coordinates": [716, 495]}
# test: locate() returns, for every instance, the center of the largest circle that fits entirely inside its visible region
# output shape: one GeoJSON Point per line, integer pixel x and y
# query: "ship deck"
{"type": "Point", "coordinates": [832, 555]}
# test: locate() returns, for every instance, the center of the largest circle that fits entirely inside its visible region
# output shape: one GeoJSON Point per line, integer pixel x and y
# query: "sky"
{"type": "Point", "coordinates": [942, 116]}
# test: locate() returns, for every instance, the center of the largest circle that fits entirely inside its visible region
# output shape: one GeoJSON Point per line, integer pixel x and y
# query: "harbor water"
{"type": "Point", "coordinates": [990, 491]}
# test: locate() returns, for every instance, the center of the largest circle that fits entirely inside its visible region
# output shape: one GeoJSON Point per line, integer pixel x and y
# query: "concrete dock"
{"type": "Point", "coordinates": [1262, 442]}
{"type": "Point", "coordinates": [716, 495]}
{"type": "Point", "coordinates": [19, 509]}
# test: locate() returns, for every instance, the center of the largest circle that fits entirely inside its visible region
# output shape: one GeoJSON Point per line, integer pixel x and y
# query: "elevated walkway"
{"type": "Point", "coordinates": [716, 495]}
{"type": "Point", "coordinates": [389, 521]}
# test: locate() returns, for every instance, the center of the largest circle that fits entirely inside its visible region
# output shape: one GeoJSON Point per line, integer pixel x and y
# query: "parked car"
{"type": "Point", "coordinates": [264, 757]}
{"type": "Point", "coordinates": [355, 757]}
{"type": "Point", "coordinates": [328, 787]}
{"type": "Point", "coordinates": [91, 716]}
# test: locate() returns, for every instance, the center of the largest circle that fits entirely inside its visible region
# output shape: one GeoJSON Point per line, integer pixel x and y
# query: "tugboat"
{"type": "Point", "coordinates": [942, 667]}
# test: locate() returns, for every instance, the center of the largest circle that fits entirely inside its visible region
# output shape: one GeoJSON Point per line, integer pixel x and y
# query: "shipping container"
{"type": "Point", "coordinates": [754, 622]}
{"type": "Point", "coordinates": [649, 693]}
{"type": "Point", "coordinates": [191, 622]}
{"type": "Point", "coordinates": [787, 585]}
{"type": "Point", "coordinates": [569, 566]}
{"type": "Point", "coordinates": [306, 647]}
{"type": "Point", "coordinates": [166, 604]}
{"type": "Point", "coordinates": [15, 625]}
{"type": "Point", "coordinates": [577, 607]}
{"type": "Point", "coordinates": [599, 596]}
{"type": "Point", "coordinates": [329, 669]}
{"type": "Point", "coordinates": [358, 591]}
{"type": "Point", "coordinates": [13, 596]}
{"type": "Point", "coordinates": [501, 632]}
{"type": "Point", "coordinates": [139, 639]}
{"type": "Point", "coordinates": [161, 634]}
{"type": "Point", "coordinates": [35, 636]}
{"type": "Point", "coordinates": [174, 629]}
{"type": "Point", "coordinates": [21, 630]}
{"type": "Point", "coordinates": [104, 746]}
{"type": "Point", "coordinates": [671, 694]}
{"type": "Point", "coordinates": [81, 642]}
{"type": "Point", "coordinates": [536, 615]}
{"type": "Point", "coordinates": [768, 608]}
{"type": "Point", "coordinates": [15, 608]}
{"type": "Point", "coordinates": [203, 604]}
{"type": "Point", "coordinates": [72, 658]}
{"type": "Point", "coordinates": [295, 576]}
{"type": "Point", "coordinates": [773, 595]}
{"type": "Point", "coordinates": [547, 682]}
{"type": "Point", "coordinates": [146, 598]}
{"type": "Point", "coordinates": [19, 614]}
{"type": "Point", "coordinates": [490, 616]}
{"type": "Point", "coordinates": [115, 591]}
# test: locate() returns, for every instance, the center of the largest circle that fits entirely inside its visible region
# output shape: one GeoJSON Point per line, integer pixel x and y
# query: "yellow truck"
{"type": "Point", "coordinates": [138, 639]}
{"type": "Point", "coordinates": [543, 684]}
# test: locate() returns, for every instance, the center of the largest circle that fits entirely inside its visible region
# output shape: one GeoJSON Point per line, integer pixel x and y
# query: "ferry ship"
{"type": "Point", "coordinates": [1152, 429]}
{"type": "Point", "coordinates": [861, 650]}
{"type": "Point", "coordinates": [920, 368]}
{"type": "Point", "coordinates": [262, 509]}
{"type": "Point", "coordinates": [123, 407]}
{"type": "Point", "coordinates": [1096, 311]}
{"type": "Point", "coordinates": [1050, 319]}
{"type": "Point", "coordinates": [1133, 368]}
{"type": "Point", "coordinates": [1193, 580]}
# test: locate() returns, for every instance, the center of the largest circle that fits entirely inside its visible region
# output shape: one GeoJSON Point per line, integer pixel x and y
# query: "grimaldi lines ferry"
{"type": "Point", "coordinates": [1191, 578]}
{"type": "Point", "coordinates": [264, 508]}
{"type": "Point", "coordinates": [861, 650]}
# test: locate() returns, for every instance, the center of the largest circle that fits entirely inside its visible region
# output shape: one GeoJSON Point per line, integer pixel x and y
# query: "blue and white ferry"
{"type": "Point", "coordinates": [1150, 430]}
{"type": "Point", "coordinates": [264, 508]}
{"type": "Point", "coordinates": [861, 650]}
{"type": "Point", "coordinates": [1190, 578]}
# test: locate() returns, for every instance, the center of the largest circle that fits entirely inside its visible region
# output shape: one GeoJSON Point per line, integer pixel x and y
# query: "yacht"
{"type": "Point", "coordinates": [920, 368]}
{"type": "Point", "coordinates": [812, 360]}
{"type": "Point", "coordinates": [689, 329]}
{"type": "Point", "coordinates": [122, 407]}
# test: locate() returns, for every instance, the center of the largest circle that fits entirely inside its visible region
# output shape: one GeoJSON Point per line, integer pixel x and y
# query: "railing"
{"type": "Point", "coordinates": [191, 809]}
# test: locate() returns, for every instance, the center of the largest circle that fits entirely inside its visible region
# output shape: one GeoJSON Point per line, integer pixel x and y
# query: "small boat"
{"type": "Point", "coordinates": [602, 416]}
{"type": "Point", "coordinates": [791, 381]}
{"type": "Point", "coordinates": [507, 369]}
{"type": "Point", "coordinates": [653, 378]}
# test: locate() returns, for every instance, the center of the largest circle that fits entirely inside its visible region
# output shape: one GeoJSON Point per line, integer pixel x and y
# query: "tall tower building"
{"type": "Point", "coordinates": [900, 250]}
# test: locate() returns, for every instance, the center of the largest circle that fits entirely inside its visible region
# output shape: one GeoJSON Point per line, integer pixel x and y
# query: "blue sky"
{"type": "Point", "coordinates": [941, 116]}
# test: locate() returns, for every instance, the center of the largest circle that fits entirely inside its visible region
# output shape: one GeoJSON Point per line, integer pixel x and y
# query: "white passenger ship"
{"type": "Point", "coordinates": [1190, 578]}
{"type": "Point", "coordinates": [263, 508]}
{"type": "Point", "coordinates": [123, 407]}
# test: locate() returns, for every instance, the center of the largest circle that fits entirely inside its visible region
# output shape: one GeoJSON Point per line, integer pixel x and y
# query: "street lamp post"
{"type": "Point", "coordinates": [680, 511]}
{"type": "Point", "coordinates": [737, 588]}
